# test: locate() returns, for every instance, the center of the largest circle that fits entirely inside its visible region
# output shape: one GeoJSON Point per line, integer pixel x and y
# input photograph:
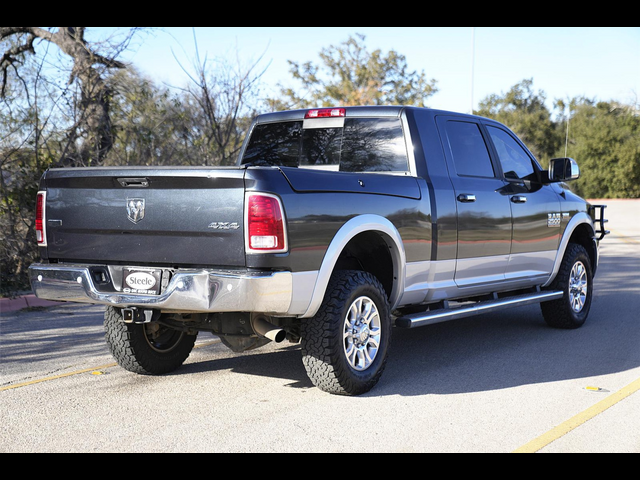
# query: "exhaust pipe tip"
{"type": "Point", "coordinates": [266, 329]}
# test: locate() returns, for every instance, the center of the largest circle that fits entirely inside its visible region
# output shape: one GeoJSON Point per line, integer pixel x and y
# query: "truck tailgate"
{"type": "Point", "coordinates": [155, 216]}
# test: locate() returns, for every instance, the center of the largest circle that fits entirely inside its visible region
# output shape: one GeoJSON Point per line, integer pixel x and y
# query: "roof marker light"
{"type": "Point", "coordinates": [326, 113]}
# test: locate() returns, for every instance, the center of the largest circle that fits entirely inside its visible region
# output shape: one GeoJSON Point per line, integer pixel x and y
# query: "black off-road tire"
{"type": "Point", "coordinates": [571, 312]}
{"type": "Point", "coordinates": [140, 352]}
{"type": "Point", "coordinates": [324, 347]}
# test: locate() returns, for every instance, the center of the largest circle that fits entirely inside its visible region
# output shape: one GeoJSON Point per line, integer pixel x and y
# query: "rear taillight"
{"type": "Point", "coordinates": [41, 233]}
{"type": "Point", "coordinates": [266, 230]}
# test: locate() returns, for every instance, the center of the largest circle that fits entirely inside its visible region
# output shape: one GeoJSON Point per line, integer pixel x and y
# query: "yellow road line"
{"type": "Point", "coordinates": [624, 238]}
{"type": "Point", "coordinates": [579, 420]}
{"type": "Point", "coordinates": [79, 372]}
{"type": "Point", "coordinates": [57, 377]}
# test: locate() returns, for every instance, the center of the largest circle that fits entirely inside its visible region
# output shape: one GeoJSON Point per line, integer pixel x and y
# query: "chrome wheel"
{"type": "Point", "coordinates": [346, 345]}
{"type": "Point", "coordinates": [575, 280]}
{"type": "Point", "coordinates": [578, 287]}
{"type": "Point", "coordinates": [362, 334]}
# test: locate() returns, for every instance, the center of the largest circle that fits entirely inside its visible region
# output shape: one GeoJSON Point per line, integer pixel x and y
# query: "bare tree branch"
{"type": "Point", "coordinates": [222, 95]}
{"type": "Point", "coordinates": [95, 93]}
{"type": "Point", "coordinates": [12, 55]}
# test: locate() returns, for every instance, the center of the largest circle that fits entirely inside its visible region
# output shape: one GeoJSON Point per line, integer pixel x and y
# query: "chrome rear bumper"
{"type": "Point", "coordinates": [189, 291]}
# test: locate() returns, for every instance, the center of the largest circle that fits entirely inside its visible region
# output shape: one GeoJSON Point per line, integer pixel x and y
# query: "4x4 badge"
{"type": "Point", "coordinates": [136, 209]}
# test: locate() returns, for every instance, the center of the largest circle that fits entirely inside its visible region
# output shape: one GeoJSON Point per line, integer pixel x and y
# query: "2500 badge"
{"type": "Point", "coordinates": [142, 282]}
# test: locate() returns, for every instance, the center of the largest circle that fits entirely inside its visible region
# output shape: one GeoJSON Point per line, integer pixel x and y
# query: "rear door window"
{"type": "Point", "coordinates": [469, 150]}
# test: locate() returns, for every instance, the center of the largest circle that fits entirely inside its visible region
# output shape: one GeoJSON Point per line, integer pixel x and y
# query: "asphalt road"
{"type": "Point", "coordinates": [496, 383]}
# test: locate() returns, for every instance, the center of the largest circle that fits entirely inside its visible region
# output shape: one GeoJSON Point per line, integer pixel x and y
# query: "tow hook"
{"type": "Point", "coordinates": [137, 317]}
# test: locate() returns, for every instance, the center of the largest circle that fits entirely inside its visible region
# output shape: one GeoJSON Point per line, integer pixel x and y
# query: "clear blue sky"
{"type": "Point", "coordinates": [564, 62]}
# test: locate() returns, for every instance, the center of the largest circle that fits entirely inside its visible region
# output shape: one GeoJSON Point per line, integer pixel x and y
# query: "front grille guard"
{"type": "Point", "coordinates": [597, 212]}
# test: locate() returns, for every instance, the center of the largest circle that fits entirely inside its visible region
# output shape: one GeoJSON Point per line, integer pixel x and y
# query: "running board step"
{"type": "Point", "coordinates": [446, 315]}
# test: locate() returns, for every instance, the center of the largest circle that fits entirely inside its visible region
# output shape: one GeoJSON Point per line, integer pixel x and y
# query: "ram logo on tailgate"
{"type": "Point", "coordinates": [136, 209]}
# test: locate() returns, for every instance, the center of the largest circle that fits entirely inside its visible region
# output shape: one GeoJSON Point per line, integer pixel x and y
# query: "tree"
{"type": "Point", "coordinates": [47, 122]}
{"type": "Point", "coordinates": [92, 123]}
{"type": "Point", "coordinates": [604, 137]}
{"type": "Point", "coordinates": [147, 121]}
{"type": "Point", "coordinates": [221, 99]}
{"type": "Point", "coordinates": [28, 140]}
{"type": "Point", "coordinates": [350, 75]}
{"type": "Point", "coordinates": [525, 112]}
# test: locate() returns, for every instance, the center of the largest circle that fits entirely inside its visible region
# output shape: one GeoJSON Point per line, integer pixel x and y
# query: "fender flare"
{"type": "Point", "coordinates": [581, 218]}
{"type": "Point", "coordinates": [351, 229]}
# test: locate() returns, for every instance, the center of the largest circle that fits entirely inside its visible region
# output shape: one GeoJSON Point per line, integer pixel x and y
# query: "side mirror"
{"type": "Point", "coordinates": [563, 170]}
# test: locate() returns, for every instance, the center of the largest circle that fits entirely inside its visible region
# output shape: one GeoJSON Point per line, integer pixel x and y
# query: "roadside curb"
{"type": "Point", "coordinates": [20, 303]}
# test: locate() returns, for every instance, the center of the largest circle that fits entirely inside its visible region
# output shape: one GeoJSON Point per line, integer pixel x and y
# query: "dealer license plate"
{"type": "Point", "coordinates": [141, 281]}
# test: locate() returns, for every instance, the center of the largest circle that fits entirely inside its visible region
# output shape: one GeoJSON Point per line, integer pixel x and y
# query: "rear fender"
{"type": "Point", "coordinates": [353, 228]}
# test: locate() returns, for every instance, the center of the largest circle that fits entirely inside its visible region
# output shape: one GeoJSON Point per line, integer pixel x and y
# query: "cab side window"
{"type": "Point", "coordinates": [516, 162]}
{"type": "Point", "coordinates": [469, 150]}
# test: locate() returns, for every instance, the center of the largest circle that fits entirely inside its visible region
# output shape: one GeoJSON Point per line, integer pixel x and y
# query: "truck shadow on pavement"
{"type": "Point", "coordinates": [38, 341]}
{"type": "Point", "coordinates": [283, 362]}
{"type": "Point", "coordinates": [516, 347]}
{"type": "Point", "coordinates": [490, 352]}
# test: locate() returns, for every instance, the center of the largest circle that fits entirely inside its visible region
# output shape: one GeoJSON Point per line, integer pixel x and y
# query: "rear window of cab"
{"type": "Point", "coordinates": [360, 145]}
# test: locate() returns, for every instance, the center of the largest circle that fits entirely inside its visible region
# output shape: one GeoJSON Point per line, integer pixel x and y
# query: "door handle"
{"type": "Point", "coordinates": [134, 182]}
{"type": "Point", "coordinates": [466, 198]}
{"type": "Point", "coordinates": [519, 199]}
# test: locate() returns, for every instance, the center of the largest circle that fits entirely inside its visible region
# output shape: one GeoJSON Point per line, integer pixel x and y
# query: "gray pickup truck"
{"type": "Point", "coordinates": [336, 226]}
